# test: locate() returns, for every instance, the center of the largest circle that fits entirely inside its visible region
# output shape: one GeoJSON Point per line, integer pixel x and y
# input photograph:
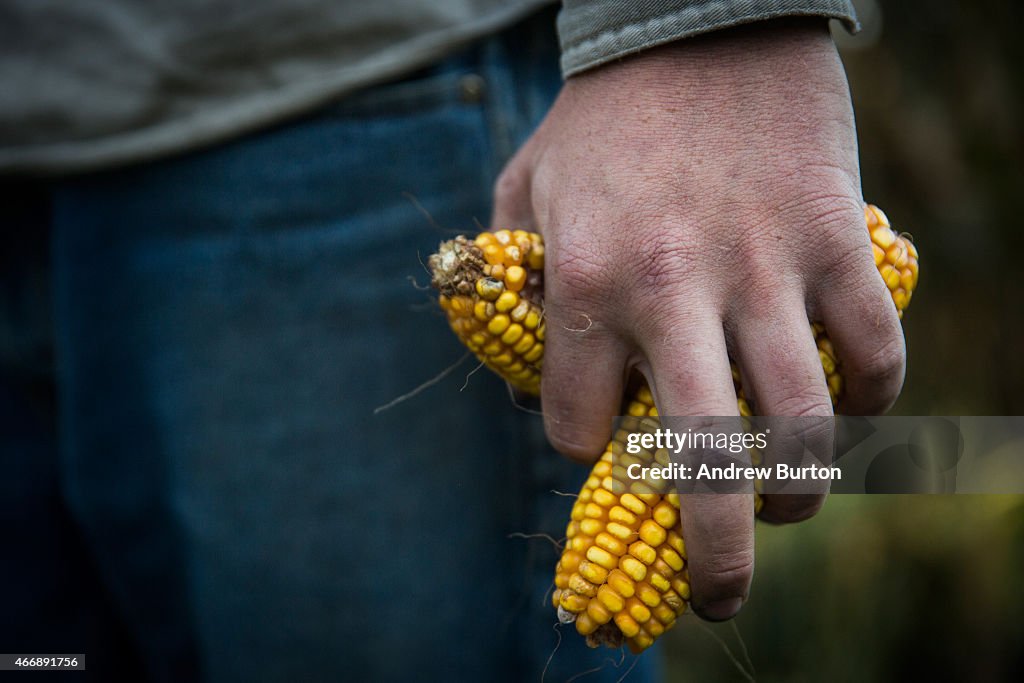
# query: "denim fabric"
{"type": "Point", "coordinates": [53, 599]}
{"type": "Point", "coordinates": [225, 324]}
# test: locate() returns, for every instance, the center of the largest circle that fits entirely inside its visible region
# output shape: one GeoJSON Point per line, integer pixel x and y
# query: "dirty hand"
{"type": "Point", "coordinates": [700, 201]}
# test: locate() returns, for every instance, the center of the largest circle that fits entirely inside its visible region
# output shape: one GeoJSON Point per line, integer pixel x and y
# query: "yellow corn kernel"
{"type": "Point", "coordinates": [498, 324]}
{"type": "Point", "coordinates": [620, 583]}
{"type": "Point", "coordinates": [883, 237]}
{"type": "Point", "coordinates": [602, 557]}
{"type": "Point", "coordinates": [592, 572]}
{"type": "Point", "coordinates": [675, 541]}
{"type": "Point", "coordinates": [682, 587]}
{"type": "Point", "coordinates": [536, 258]}
{"type": "Point", "coordinates": [512, 256]}
{"type": "Point", "coordinates": [622, 515]}
{"type": "Point", "coordinates": [506, 301]}
{"type": "Point", "coordinates": [673, 600]}
{"type": "Point", "coordinates": [494, 254]}
{"type": "Point", "coordinates": [524, 344]}
{"type": "Point", "coordinates": [513, 334]}
{"type": "Point", "coordinates": [518, 314]}
{"type": "Point", "coordinates": [671, 558]}
{"type": "Point", "coordinates": [652, 533]}
{"type": "Point", "coordinates": [897, 254]}
{"type": "Point", "coordinates": [606, 541]}
{"type": "Point", "coordinates": [633, 504]}
{"type": "Point", "coordinates": [585, 624]}
{"type": "Point", "coordinates": [827, 363]}
{"type": "Point", "coordinates": [534, 354]}
{"type": "Point", "coordinates": [573, 602]}
{"type": "Point", "coordinates": [643, 552]}
{"type": "Point", "coordinates": [570, 560]}
{"type": "Point", "coordinates": [639, 611]}
{"type": "Point", "coordinates": [666, 515]}
{"type": "Point", "coordinates": [610, 599]}
{"type": "Point", "coordinates": [636, 409]}
{"type": "Point", "coordinates": [659, 582]}
{"type": "Point", "coordinates": [663, 613]}
{"type": "Point", "coordinates": [878, 253]}
{"type": "Point", "coordinates": [598, 612]}
{"type": "Point", "coordinates": [640, 642]}
{"type": "Point", "coordinates": [515, 278]}
{"type": "Point", "coordinates": [633, 568]}
{"type": "Point", "coordinates": [484, 238]}
{"type": "Point", "coordinates": [620, 531]}
{"type": "Point", "coordinates": [627, 624]}
{"type": "Point", "coordinates": [648, 595]}
{"type": "Point", "coordinates": [890, 275]}
{"type": "Point", "coordinates": [835, 385]}
{"type": "Point", "coordinates": [604, 497]}
{"type": "Point", "coordinates": [578, 584]}
{"type": "Point", "coordinates": [487, 288]}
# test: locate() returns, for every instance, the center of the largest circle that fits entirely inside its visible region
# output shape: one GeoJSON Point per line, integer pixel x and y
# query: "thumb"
{"type": "Point", "coordinates": [513, 203]}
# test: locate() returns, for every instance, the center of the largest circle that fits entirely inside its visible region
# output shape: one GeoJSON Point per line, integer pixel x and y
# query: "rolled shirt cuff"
{"type": "Point", "coordinates": [593, 32]}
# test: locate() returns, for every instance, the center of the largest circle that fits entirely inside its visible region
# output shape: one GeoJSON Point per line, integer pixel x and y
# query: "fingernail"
{"type": "Point", "coordinates": [722, 609]}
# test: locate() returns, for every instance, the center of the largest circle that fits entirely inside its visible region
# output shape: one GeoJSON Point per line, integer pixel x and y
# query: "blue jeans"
{"type": "Point", "coordinates": [225, 324]}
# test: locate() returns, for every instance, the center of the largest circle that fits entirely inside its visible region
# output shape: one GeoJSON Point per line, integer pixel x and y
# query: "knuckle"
{"type": "Point", "coordinates": [510, 185]}
{"type": "Point", "coordinates": [824, 210]}
{"type": "Point", "coordinates": [804, 401]}
{"type": "Point", "coordinates": [835, 223]}
{"type": "Point", "coordinates": [577, 275]}
{"type": "Point", "coordinates": [663, 266]}
{"type": "Point", "coordinates": [728, 572]}
{"type": "Point", "coordinates": [767, 271]}
{"type": "Point", "coordinates": [848, 261]}
{"type": "Point", "coordinates": [572, 443]}
{"type": "Point", "coordinates": [578, 441]}
{"type": "Point", "coordinates": [886, 362]}
{"type": "Point", "coordinates": [759, 263]}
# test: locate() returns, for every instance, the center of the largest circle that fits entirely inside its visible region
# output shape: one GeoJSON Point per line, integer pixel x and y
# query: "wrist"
{"type": "Point", "coordinates": [733, 59]}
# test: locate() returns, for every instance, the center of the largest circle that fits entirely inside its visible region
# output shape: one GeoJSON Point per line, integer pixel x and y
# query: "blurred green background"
{"type": "Point", "coordinates": [880, 588]}
{"type": "Point", "coordinates": [937, 88]}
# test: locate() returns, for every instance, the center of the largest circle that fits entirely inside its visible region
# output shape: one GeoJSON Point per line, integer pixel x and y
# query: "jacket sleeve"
{"type": "Point", "coordinates": [593, 32]}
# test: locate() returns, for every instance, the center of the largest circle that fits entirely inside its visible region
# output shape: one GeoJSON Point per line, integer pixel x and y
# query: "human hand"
{"type": "Point", "coordinates": [700, 201]}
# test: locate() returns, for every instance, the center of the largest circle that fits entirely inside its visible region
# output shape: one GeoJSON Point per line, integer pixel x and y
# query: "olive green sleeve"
{"type": "Point", "coordinates": [593, 32]}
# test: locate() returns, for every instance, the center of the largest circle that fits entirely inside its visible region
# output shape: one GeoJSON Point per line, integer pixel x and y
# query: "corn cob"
{"type": "Point", "coordinates": [492, 290]}
{"type": "Point", "coordinates": [622, 574]}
